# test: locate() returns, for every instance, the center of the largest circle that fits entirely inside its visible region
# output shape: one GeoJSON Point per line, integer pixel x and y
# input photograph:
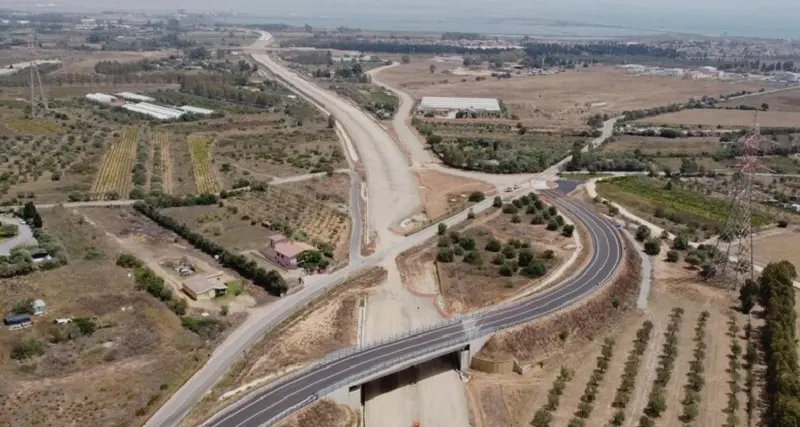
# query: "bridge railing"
{"type": "Point", "coordinates": [405, 357]}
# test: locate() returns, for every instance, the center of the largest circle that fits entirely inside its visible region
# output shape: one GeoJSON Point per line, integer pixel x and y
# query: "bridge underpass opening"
{"type": "Point", "coordinates": [410, 376]}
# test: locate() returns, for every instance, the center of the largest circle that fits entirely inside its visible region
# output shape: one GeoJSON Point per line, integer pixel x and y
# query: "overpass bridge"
{"type": "Point", "coordinates": [463, 335]}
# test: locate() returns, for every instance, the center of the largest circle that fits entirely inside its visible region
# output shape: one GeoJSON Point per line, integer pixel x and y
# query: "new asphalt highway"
{"type": "Point", "coordinates": [269, 404]}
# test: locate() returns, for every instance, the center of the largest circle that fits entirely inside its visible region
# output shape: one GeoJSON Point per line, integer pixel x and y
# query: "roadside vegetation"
{"type": "Point", "coordinates": [657, 402]}
{"type": "Point", "coordinates": [495, 148]}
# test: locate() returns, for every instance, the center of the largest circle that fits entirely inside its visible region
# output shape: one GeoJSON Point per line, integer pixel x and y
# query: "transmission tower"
{"type": "Point", "coordinates": [734, 255]}
{"type": "Point", "coordinates": [39, 106]}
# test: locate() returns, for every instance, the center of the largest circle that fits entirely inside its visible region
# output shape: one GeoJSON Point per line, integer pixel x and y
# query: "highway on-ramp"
{"type": "Point", "coordinates": [273, 402]}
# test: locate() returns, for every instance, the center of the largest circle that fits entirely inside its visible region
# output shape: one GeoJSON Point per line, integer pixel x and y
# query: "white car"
{"type": "Point", "coordinates": [508, 189]}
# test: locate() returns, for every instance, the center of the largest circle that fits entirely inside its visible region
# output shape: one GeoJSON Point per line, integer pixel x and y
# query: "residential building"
{"type": "Point", "coordinates": [203, 288]}
{"type": "Point", "coordinates": [284, 252]}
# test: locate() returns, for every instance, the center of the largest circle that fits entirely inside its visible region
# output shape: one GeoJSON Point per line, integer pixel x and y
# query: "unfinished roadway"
{"type": "Point", "coordinates": [392, 194]}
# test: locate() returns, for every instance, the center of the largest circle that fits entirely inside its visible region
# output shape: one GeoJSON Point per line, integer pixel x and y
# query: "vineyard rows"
{"type": "Point", "coordinates": [114, 178]}
{"type": "Point", "coordinates": [200, 148]}
{"type": "Point", "coordinates": [161, 179]}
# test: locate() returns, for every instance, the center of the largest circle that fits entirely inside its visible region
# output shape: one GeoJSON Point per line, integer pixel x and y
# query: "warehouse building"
{"type": "Point", "coordinates": [152, 110]}
{"type": "Point", "coordinates": [447, 105]}
{"type": "Point", "coordinates": [129, 96]}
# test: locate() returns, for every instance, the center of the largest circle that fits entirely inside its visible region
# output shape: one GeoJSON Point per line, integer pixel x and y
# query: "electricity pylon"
{"type": "Point", "coordinates": [39, 106]}
{"type": "Point", "coordinates": [734, 255]}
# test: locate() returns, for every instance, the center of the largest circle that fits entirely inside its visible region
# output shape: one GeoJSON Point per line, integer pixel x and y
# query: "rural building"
{"type": "Point", "coordinates": [129, 96]}
{"type": "Point", "coordinates": [203, 288]}
{"type": "Point", "coordinates": [442, 105]}
{"type": "Point", "coordinates": [284, 251]}
{"type": "Point", "coordinates": [17, 321]}
{"type": "Point", "coordinates": [196, 110]}
{"type": "Point", "coordinates": [152, 110]}
{"type": "Point", "coordinates": [105, 99]}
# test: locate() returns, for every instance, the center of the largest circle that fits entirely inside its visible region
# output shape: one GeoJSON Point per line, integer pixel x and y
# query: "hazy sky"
{"type": "Point", "coordinates": [688, 15]}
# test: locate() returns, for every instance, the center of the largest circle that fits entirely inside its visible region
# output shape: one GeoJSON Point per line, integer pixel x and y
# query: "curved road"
{"type": "Point", "coordinates": [270, 404]}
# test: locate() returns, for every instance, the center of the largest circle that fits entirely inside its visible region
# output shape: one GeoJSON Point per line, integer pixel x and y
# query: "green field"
{"type": "Point", "coordinates": [671, 205]}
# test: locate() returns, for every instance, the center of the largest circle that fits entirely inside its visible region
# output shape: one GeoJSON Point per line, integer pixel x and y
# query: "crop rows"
{"type": "Point", "coordinates": [695, 379]}
{"type": "Point", "coordinates": [161, 179]}
{"type": "Point", "coordinates": [140, 169]}
{"type": "Point", "coordinates": [733, 368]}
{"type": "Point", "coordinates": [751, 358]}
{"type": "Point", "coordinates": [657, 402]}
{"type": "Point", "coordinates": [590, 392]}
{"type": "Point", "coordinates": [544, 416]}
{"type": "Point", "coordinates": [200, 150]}
{"type": "Point", "coordinates": [113, 179]}
{"type": "Point", "coordinates": [628, 381]}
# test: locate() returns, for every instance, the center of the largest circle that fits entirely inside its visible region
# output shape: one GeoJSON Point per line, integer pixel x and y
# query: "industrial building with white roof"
{"type": "Point", "coordinates": [435, 103]}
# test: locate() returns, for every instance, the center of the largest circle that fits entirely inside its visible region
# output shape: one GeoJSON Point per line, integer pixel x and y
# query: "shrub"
{"type": "Point", "coordinates": [568, 230]}
{"type": "Point", "coordinates": [548, 254]}
{"type": "Point", "coordinates": [458, 250]}
{"type": "Point", "coordinates": [643, 233]}
{"type": "Point", "coordinates": [526, 257]}
{"type": "Point", "coordinates": [498, 202]}
{"type": "Point", "coordinates": [476, 196]}
{"type": "Point", "coordinates": [783, 223]}
{"type": "Point", "coordinates": [542, 418]}
{"type": "Point", "coordinates": [206, 327]}
{"type": "Point", "coordinates": [681, 242]}
{"type": "Point", "coordinates": [552, 210]}
{"type": "Point", "coordinates": [563, 335]}
{"type": "Point", "coordinates": [499, 259]}
{"type": "Point", "coordinates": [535, 269]}
{"type": "Point", "coordinates": [505, 271]}
{"type": "Point", "coordinates": [442, 229]}
{"type": "Point", "coordinates": [537, 219]}
{"type": "Point", "coordinates": [673, 256]}
{"type": "Point", "coordinates": [443, 242]}
{"type": "Point", "coordinates": [444, 255]}
{"type": "Point", "coordinates": [27, 349]}
{"type": "Point", "coordinates": [493, 245]}
{"type": "Point", "coordinates": [552, 225]}
{"type": "Point", "coordinates": [473, 258]}
{"type": "Point", "coordinates": [510, 209]}
{"type": "Point", "coordinates": [470, 214]}
{"type": "Point", "coordinates": [509, 252]}
{"type": "Point", "coordinates": [516, 219]}
{"type": "Point", "coordinates": [126, 260]}
{"type": "Point", "coordinates": [468, 243]}
{"type": "Point", "coordinates": [652, 247]}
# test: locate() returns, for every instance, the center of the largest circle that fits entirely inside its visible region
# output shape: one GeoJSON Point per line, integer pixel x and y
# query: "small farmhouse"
{"type": "Point", "coordinates": [203, 288]}
{"type": "Point", "coordinates": [284, 252]}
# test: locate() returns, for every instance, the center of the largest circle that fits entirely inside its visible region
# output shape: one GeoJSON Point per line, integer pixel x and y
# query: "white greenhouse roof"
{"type": "Point", "coordinates": [196, 110]}
{"type": "Point", "coordinates": [486, 104]}
{"type": "Point", "coordinates": [161, 113]}
{"type": "Point", "coordinates": [135, 96]}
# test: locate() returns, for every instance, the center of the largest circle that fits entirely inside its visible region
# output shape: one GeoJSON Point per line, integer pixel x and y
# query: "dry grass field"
{"type": "Point", "coordinates": [138, 355]}
{"type": "Point", "coordinates": [726, 118]}
{"type": "Point", "coordinates": [658, 146]}
{"type": "Point", "coordinates": [777, 245]}
{"type": "Point", "coordinates": [444, 194]}
{"type": "Point", "coordinates": [788, 100]}
{"type": "Point", "coordinates": [559, 100]}
{"type": "Point", "coordinates": [332, 190]}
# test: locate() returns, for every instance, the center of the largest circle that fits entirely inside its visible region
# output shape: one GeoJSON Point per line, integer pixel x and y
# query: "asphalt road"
{"type": "Point", "coordinates": [268, 405]}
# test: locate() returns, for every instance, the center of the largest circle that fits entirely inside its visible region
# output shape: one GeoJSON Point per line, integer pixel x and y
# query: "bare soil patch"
{"type": "Point", "coordinates": [326, 325]}
{"type": "Point", "coordinates": [443, 194]}
{"type": "Point", "coordinates": [560, 100]}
